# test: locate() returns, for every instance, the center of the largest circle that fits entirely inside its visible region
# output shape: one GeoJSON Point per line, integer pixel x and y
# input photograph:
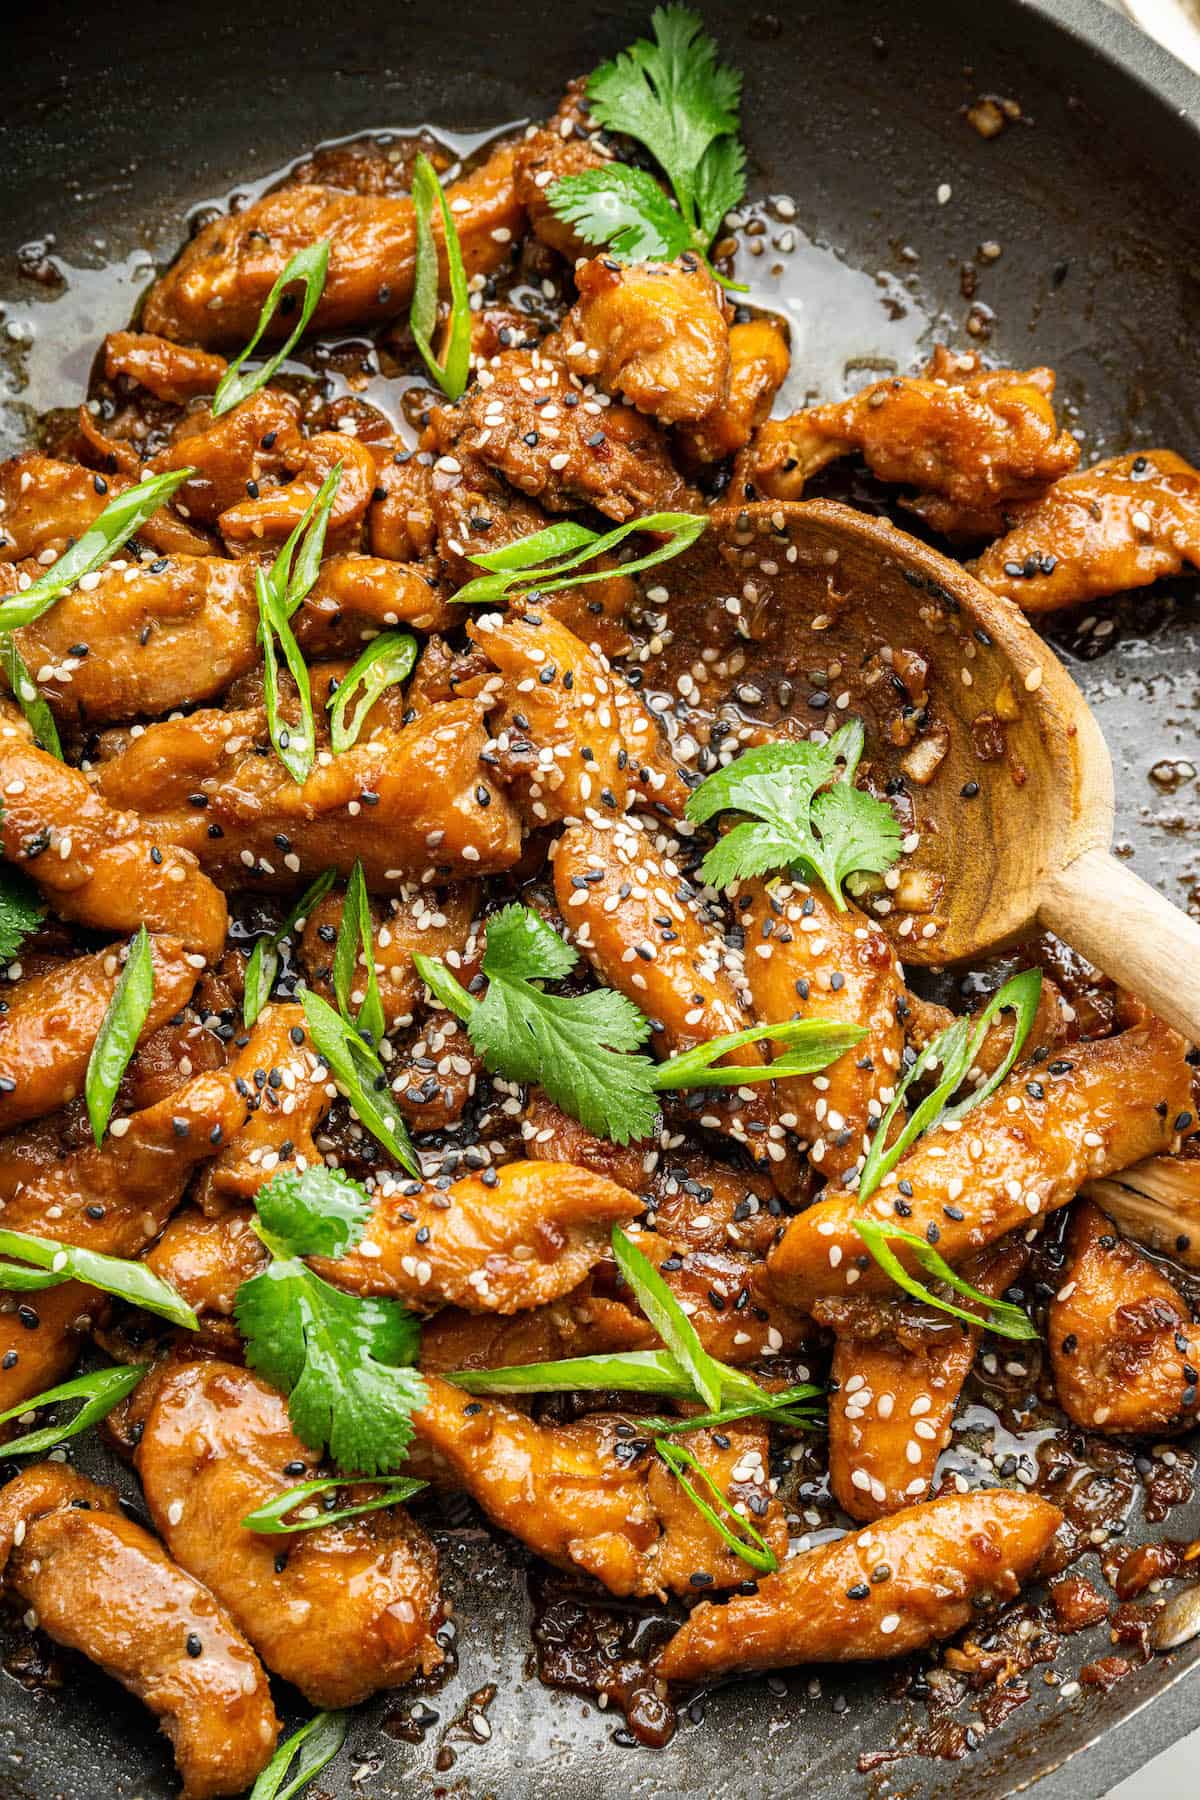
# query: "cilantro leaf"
{"type": "Point", "coordinates": [720, 183]}
{"type": "Point", "coordinates": [21, 911]}
{"type": "Point", "coordinates": [624, 208]}
{"type": "Point", "coordinates": [314, 1212]}
{"type": "Point", "coordinates": [344, 1361]}
{"type": "Point", "coordinates": [522, 947]}
{"type": "Point", "coordinates": [804, 812]}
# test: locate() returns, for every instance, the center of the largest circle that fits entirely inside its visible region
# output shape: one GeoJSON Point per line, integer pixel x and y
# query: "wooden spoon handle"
{"type": "Point", "coordinates": [1126, 928]}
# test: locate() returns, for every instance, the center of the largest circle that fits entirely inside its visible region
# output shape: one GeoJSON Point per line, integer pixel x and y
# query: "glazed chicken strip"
{"type": "Point", "coordinates": [41, 1336]}
{"type": "Point", "coordinates": [543, 158]}
{"type": "Point", "coordinates": [1121, 524]}
{"type": "Point", "coordinates": [415, 921]}
{"type": "Point", "coordinates": [1104, 1106]}
{"type": "Point", "coordinates": [51, 1020]}
{"type": "Point", "coordinates": [95, 863]}
{"type": "Point", "coordinates": [897, 1372]}
{"type": "Point", "coordinates": [115, 1197]}
{"type": "Point", "coordinates": [807, 960]}
{"type": "Point", "coordinates": [924, 1571]}
{"type": "Point", "coordinates": [407, 804]}
{"type": "Point", "coordinates": [214, 293]}
{"type": "Point", "coordinates": [583, 1323]}
{"type": "Point", "coordinates": [286, 1089]}
{"type": "Point", "coordinates": [654, 333]}
{"type": "Point", "coordinates": [208, 1259]}
{"type": "Point", "coordinates": [593, 748]}
{"type": "Point", "coordinates": [49, 504]}
{"type": "Point", "coordinates": [758, 364]}
{"type": "Point", "coordinates": [593, 1496]}
{"type": "Point", "coordinates": [971, 440]}
{"type": "Point", "coordinates": [1123, 1345]}
{"type": "Point", "coordinates": [166, 370]}
{"type": "Point", "coordinates": [348, 1608]}
{"type": "Point", "coordinates": [529, 1236]}
{"type": "Point", "coordinates": [99, 1583]}
{"type": "Point", "coordinates": [1052, 1024]}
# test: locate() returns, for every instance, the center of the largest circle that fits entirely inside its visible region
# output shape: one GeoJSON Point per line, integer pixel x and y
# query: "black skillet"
{"type": "Point", "coordinates": [115, 121]}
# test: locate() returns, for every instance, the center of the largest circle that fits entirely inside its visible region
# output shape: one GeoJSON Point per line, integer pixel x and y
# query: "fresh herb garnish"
{"type": "Point", "coordinates": [271, 1518]}
{"type": "Point", "coordinates": [100, 1391]}
{"type": "Point", "coordinates": [387, 659]}
{"type": "Point", "coordinates": [741, 1536]}
{"type": "Point", "coordinates": [674, 97]}
{"type": "Point", "coordinates": [452, 371]}
{"type": "Point", "coordinates": [362, 1076]}
{"type": "Point", "coordinates": [21, 912]}
{"type": "Point", "coordinates": [263, 966]}
{"type": "Point", "coordinates": [789, 1406]}
{"type": "Point", "coordinates": [954, 1052]}
{"type": "Point", "coordinates": [310, 266]}
{"type": "Point", "coordinates": [803, 812]}
{"type": "Point", "coordinates": [356, 936]}
{"type": "Point", "coordinates": [669, 1319]}
{"type": "Point", "coordinates": [280, 590]}
{"type": "Point", "coordinates": [310, 1748]}
{"type": "Point", "coordinates": [103, 538]}
{"type": "Point", "coordinates": [119, 1032]}
{"type": "Point", "coordinates": [28, 696]}
{"type": "Point", "coordinates": [53, 1263]}
{"type": "Point", "coordinates": [579, 1047]}
{"type": "Point", "coordinates": [344, 1360]}
{"type": "Point", "coordinates": [528, 566]}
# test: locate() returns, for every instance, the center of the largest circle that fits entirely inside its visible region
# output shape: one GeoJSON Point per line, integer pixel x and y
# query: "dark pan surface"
{"type": "Point", "coordinates": [114, 125]}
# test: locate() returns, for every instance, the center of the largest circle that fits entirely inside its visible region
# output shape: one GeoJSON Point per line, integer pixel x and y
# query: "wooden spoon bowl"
{"type": "Point", "coordinates": [800, 615]}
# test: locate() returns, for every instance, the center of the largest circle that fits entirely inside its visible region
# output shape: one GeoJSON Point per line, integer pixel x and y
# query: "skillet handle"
{"type": "Point", "coordinates": [1127, 929]}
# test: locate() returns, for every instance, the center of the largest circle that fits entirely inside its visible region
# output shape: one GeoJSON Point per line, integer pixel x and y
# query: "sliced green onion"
{"type": "Point", "coordinates": [280, 590]}
{"type": "Point", "coordinates": [627, 1371]}
{"type": "Point", "coordinates": [513, 569]}
{"type": "Point", "coordinates": [310, 266]}
{"type": "Point", "coordinates": [668, 1318]}
{"type": "Point", "coordinates": [452, 372]}
{"type": "Point", "coordinates": [1003, 1317]}
{"type": "Point", "coordinates": [790, 1406]}
{"type": "Point", "coordinates": [105, 535]}
{"type": "Point", "coordinates": [100, 1391]}
{"type": "Point", "coordinates": [812, 1044]}
{"type": "Point", "coordinates": [263, 966]}
{"type": "Point", "coordinates": [55, 1263]}
{"type": "Point", "coordinates": [271, 1518]}
{"type": "Point", "coordinates": [388, 659]}
{"type": "Point", "coordinates": [120, 1030]}
{"type": "Point", "coordinates": [362, 1076]}
{"type": "Point", "coordinates": [741, 1536]}
{"type": "Point", "coordinates": [310, 1748]}
{"type": "Point", "coordinates": [355, 934]}
{"type": "Point", "coordinates": [28, 696]}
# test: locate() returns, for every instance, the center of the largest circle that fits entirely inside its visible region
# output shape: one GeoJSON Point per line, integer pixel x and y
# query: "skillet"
{"type": "Point", "coordinates": [114, 124]}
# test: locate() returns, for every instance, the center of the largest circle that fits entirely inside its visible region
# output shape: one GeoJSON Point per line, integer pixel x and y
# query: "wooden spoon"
{"type": "Point", "coordinates": [810, 612]}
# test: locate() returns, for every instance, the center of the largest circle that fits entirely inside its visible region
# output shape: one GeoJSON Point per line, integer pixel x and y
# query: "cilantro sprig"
{"type": "Point", "coordinates": [21, 912]}
{"type": "Point", "coordinates": [345, 1361]}
{"type": "Point", "coordinates": [803, 812]}
{"type": "Point", "coordinates": [582, 1049]}
{"type": "Point", "coordinates": [676, 98]}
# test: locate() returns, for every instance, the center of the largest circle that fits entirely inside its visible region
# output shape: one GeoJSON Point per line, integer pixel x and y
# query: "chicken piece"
{"type": "Point", "coordinates": [1121, 524]}
{"type": "Point", "coordinates": [215, 291]}
{"type": "Point", "coordinates": [1105, 1106]}
{"type": "Point", "coordinates": [285, 1086]}
{"type": "Point", "coordinates": [528, 419]}
{"type": "Point", "coordinates": [47, 505]}
{"type": "Point", "coordinates": [276, 511]}
{"type": "Point", "coordinates": [371, 592]}
{"type": "Point", "coordinates": [411, 922]}
{"type": "Point", "coordinates": [1123, 1346]}
{"type": "Point", "coordinates": [758, 364]}
{"type": "Point", "coordinates": [729, 1300]}
{"type": "Point", "coordinates": [41, 1336]}
{"type": "Point", "coordinates": [96, 864]}
{"type": "Point", "coordinates": [166, 370]}
{"type": "Point", "coordinates": [400, 518]}
{"type": "Point", "coordinates": [582, 1323]}
{"type": "Point", "coordinates": [115, 1197]}
{"type": "Point", "coordinates": [186, 1045]}
{"type": "Point", "coordinates": [594, 747]}
{"type": "Point", "coordinates": [880, 1592]}
{"type": "Point", "coordinates": [207, 1259]}
{"type": "Point", "coordinates": [807, 960]}
{"type": "Point", "coordinates": [529, 1237]}
{"type": "Point", "coordinates": [145, 638]}
{"type": "Point", "coordinates": [354, 1606]}
{"type": "Point", "coordinates": [51, 1021]}
{"type": "Point", "coordinates": [971, 440]}
{"type": "Point", "coordinates": [543, 158]}
{"type": "Point", "coordinates": [258, 441]}
{"type": "Point", "coordinates": [593, 1496]}
{"type": "Point", "coordinates": [654, 333]}
{"type": "Point", "coordinates": [897, 1373]}
{"type": "Point", "coordinates": [99, 1583]}
{"type": "Point", "coordinates": [1052, 1025]}
{"type": "Point", "coordinates": [415, 805]}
